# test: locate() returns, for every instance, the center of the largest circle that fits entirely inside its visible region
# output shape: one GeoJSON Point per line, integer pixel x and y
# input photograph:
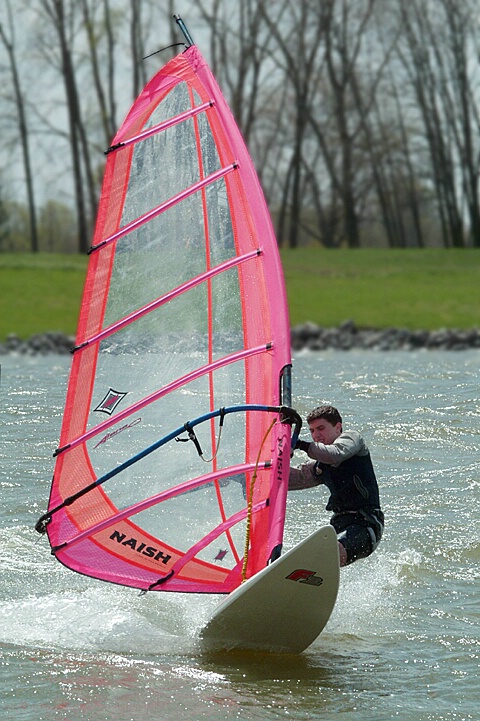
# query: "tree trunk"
{"type": "Point", "coordinates": [24, 134]}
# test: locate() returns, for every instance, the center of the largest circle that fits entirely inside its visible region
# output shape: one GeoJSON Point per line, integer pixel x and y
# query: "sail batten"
{"type": "Point", "coordinates": [163, 126]}
{"type": "Point", "coordinates": [166, 206]}
{"type": "Point", "coordinates": [169, 296]}
{"type": "Point", "coordinates": [183, 315]}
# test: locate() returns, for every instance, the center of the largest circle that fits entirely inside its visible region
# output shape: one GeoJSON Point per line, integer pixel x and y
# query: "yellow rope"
{"type": "Point", "coordinates": [250, 503]}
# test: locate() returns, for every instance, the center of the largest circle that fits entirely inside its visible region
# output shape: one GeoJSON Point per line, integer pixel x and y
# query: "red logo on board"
{"type": "Point", "coordinates": [303, 576]}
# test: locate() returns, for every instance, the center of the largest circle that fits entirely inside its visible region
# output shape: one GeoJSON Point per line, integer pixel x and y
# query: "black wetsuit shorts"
{"type": "Point", "coordinates": [359, 532]}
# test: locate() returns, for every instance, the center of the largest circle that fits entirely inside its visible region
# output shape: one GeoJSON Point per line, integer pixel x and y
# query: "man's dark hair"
{"type": "Point", "coordinates": [329, 413]}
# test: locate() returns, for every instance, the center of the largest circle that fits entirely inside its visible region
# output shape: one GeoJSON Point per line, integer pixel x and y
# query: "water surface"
{"type": "Point", "coordinates": [402, 642]}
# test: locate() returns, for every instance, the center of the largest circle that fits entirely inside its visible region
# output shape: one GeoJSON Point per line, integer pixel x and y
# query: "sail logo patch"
{"type": "Point", "coordinates": [303, 576]}
{"type": "Point", "coordinates": [142, 548]}
{"type": "Point", "coordinates": [110, 401]}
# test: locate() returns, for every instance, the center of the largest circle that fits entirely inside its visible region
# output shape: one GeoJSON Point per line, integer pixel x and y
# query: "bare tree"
{"type": "Point", "coordinates": [459, 78]}
{"type": "Point", "coordinates": [435, 60]}
{"type": "Point", "coordinates": [239, 48]}
{"type": "Point", "coordinates": [137, 45]}
{"type": "Point", "coordinates": [62, 16]}
{"type": "Point", "coordinates": [398, 180]}
{"type": "Point", "coordinates": [344, 28]}
{"type": "Point", "coordinates": [8, 40]}
{"type": "Point", "coordinates": [105, 91]}
{"type": "Point", "coordinates": [387, 152]}
{"type": "Point", "coordinates": [347, 135]}
{"type": "Point", "coordinates": [321, 54]}
{"type": "Point", "coordinates": [4, 220]}
{"type": "Point", "coordinates": [297, 32]}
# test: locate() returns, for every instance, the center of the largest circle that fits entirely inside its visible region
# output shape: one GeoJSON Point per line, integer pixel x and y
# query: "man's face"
{"type": "Point", "coordinates": [323, 432]}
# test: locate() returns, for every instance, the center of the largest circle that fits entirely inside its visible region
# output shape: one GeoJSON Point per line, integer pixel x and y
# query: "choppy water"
{"type": "Point", "coordinates": [403, 641]}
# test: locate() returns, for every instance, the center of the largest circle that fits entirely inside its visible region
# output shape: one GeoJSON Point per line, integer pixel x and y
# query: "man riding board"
{"type": "Point", "coordinates": [341, 461]}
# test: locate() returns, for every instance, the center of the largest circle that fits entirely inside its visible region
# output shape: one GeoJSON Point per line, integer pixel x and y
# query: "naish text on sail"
{"type": "Point", "coordinates": [140, 547]}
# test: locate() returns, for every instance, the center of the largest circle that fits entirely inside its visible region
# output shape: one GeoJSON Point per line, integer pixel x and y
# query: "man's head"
{"type": "Point", "coordinates": [325, 424]}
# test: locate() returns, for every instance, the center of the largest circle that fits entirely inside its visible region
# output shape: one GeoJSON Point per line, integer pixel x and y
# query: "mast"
{"type": "Point", "coordinates": [184, 30]}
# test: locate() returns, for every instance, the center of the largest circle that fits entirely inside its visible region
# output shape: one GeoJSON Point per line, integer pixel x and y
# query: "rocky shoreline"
{"type": "Point", "coordinates": [39, 344]}
{"type": "Point", "coordinates": [305, 336]}
{"type": "Point", "coordinates": [347, 337]}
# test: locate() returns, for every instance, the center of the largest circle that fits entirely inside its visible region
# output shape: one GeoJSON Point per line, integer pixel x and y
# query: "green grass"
{"type": "Point", "coordinates": [412, 289]}
{"type": "Point", "coordinates": [40, 293]}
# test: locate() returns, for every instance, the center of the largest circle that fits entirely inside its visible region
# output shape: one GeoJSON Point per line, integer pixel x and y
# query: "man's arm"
{"type": "Point", "coordinates": [304, 477]}
{"type": "Point", "coordinates": [347, 444]}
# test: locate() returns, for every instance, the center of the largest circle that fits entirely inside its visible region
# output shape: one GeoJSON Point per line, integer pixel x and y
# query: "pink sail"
{"type": "Point", "coordinates": [172, 467]}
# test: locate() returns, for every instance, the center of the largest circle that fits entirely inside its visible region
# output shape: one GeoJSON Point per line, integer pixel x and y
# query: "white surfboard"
{"type": "Point", "coordinates": [285, 606]}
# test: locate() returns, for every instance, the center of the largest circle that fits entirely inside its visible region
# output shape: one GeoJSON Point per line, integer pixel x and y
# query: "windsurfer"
{"type": "Point", "coordinates": [341, 461]}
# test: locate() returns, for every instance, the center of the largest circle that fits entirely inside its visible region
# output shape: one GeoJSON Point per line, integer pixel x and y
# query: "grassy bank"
{"type": "Point", "coordinates": [413, 289]}
{"type": "Point", "coordinates": [40, 293]}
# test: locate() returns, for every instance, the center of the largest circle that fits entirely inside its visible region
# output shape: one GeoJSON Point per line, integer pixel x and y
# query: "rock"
{"type": "Point", "coordinates": [348, 336]}
{"type": "Point", "coordinates": [38, 344]}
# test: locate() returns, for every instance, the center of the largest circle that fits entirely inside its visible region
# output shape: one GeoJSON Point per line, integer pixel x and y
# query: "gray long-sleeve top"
{"type": "Point", "coordinates": [345, 467]}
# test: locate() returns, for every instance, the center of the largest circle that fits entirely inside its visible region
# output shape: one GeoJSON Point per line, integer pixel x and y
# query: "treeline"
{"type": "Point", "coordinates": [362, 116]}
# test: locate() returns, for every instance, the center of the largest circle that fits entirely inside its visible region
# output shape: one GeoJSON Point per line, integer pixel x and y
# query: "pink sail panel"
{"type": "Point", "coordinates": [183, 313]}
